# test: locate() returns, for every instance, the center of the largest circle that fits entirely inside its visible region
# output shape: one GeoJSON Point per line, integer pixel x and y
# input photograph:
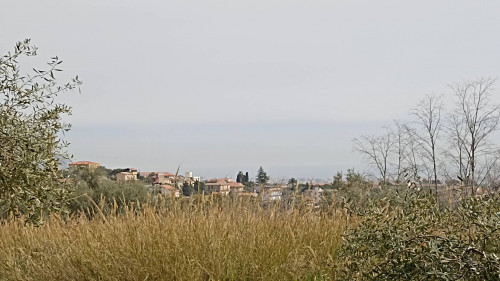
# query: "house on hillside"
{"type": "Point", "coordinates": [85, 164]}
{"type": "Point", "coordinates": [272, 194]}
{"type": "Point", "coordinates": [159, 177]}
{"type": "Point", "coordinates": [218, 187]}
{"type": "Point", "coordinates": [223, 186]}
{"type": "Point", "coordinates": [165, 178]}
{"type": "Point", "coordinates": [129, 175]}
{"type": "Point", "coordinates": [169, 190]}
{"type": "Point", "coordinates": [236, 187]}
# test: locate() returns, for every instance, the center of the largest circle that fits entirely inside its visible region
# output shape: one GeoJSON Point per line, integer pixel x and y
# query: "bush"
{"type": "Point", "coordinates": [421, 239]}
{"type": "Point", "coordinates": [31, 147]}
{"type": "Point", "coordinates": [109, 196]}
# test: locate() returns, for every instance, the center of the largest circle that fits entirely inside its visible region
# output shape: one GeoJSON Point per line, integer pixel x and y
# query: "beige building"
{"type": "Point", "coordinates": [165, 178]}
{"type": "Point", "coordinates": [160, 177]}
{"type": "Point", "coordinates": [236, 187]}
{"type": "Point", "coordinates": [219, 187]}
{"type": "Point", "coordinates": [131, 175]}
{"type": "Point", "coordinates": [85, 164]}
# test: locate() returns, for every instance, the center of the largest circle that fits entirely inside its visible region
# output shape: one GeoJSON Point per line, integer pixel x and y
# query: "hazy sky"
{"type": "Point", "coordinates": [222, 86]}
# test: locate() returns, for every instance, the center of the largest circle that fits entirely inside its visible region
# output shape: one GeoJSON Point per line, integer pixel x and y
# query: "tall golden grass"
{"type": "Point", "coordinates": [204, 238]}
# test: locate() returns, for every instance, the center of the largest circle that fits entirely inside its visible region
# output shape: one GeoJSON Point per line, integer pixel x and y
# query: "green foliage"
{"type": "Point", "coordinates": [240, 177]}
{"type": "Point", "coordinates": [249, 186]}
{"type": "Point", "coordinates": [187, 189]}
{"type": "Point", "coordinates": [90, 176]}
{"type": "Point", "coordinates": [30, 143]}
{"type": "Point", "coordinates": [303, 187]}
{"type": "Point", "coordinates": [200, 187]}
{"type": "Point", "coordinates": [109, 196]}
{"type": "Point", "coordinates": [356, 191]}
{"type": "Point", "coordinates": [422, 240]}
{"type": "Point", "coordinates": [262, 177]}
{"type": "Point", "coordinates": [355, 178]}
{"type": "Point", "coordinates": [338, 181]}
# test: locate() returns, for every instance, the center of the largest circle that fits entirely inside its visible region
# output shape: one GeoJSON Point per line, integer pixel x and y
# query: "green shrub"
{"type": "Point", "coordinates": [109, 196]}
{"type": "Point", "coordinates": [31, 147]}
{"type": "Point", "coordinates": [420, 239]}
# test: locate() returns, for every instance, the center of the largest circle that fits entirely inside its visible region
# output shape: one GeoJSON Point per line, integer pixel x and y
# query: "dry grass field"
{"type": "Point", "coordinates": [192, 239]}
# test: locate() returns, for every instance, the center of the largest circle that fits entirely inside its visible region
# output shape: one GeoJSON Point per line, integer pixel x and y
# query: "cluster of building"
{"type": "Point", "coordinates": [171, 184]}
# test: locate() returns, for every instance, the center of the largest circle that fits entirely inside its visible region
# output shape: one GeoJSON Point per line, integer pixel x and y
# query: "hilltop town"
{"type": "Point", "coordinates": [186, 184]}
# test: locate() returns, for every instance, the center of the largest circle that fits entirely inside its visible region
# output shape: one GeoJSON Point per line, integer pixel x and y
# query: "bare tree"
{"type": "Point", "coordinates": [377, 149]}
{"type": "Point", "coordinates": [428, 113]}
{"type": "Point", "coordinates": [456, 154]}
{"type": "Point", "coordinates": [480, 118]}
{"type": "Point", "coordinates": [413, 160]}
{"type": "Point", "coordinates": [400, 148]}
{"type": "Point", "coordinates": [492, 176]}
{"type": "Point", "coordinates": [485, 169]}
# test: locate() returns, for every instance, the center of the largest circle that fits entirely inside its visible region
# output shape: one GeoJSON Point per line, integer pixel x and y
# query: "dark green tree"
{"type": "Point", "coordinates": [338, 180]}
{"type": "Point", "coordinates": [240, 177]}
{"type": "Point", "coordinates": [187, 189]}
{"type": "Point", "coordinates": [353, 177]}
{"type": "Point", "coordinates": [90, 176]}
{"type": "Point", "coordinates": [31, 148]}
{"type": "Point", "coordinates": [199, 187]}
{"type": "Point", "coordinates": [262, 177]}
{"type": "Point", "coordinates": [249, 186]}
{"type": "Point", "coordinates": [304, 187]}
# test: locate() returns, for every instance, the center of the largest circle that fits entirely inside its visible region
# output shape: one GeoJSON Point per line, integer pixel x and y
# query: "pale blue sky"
{"type": "Point", "coordinates": [221, 86]}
